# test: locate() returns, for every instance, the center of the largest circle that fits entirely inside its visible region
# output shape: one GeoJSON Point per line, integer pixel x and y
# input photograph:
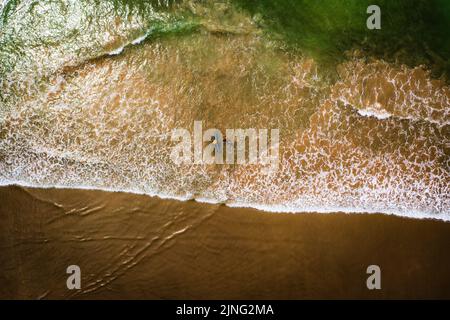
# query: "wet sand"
{"type": "Point", "coordinates": [135, 246]}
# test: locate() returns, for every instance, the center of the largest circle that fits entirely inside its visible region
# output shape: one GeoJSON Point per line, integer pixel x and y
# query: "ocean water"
{"type": "Point", "coordinates": [90, 92]}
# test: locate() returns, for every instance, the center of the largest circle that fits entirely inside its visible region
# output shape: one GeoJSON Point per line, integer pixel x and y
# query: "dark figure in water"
{"type": "Point", "coordinates": [218, 142]}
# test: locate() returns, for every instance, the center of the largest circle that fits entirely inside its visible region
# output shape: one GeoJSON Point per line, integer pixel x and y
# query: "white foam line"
{"type": "Point", "coordinates": [140, 39]}
{"type": "Point", "coordinates": [116, 52]}
{"type": "Point", "coordinates": [272, 208]}
{"type": "Point", "coordinates": [134, 42]}
{"type": "Point", "coordinates": [349, 210]}
{"type": "Point", "coordinates": [87, 187]}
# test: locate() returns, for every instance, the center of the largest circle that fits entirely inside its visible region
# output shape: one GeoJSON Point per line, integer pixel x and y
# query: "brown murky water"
{"type": "Point", "coordinates": [375, 140]}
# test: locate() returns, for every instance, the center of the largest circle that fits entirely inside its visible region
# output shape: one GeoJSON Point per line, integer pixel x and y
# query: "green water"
{"type": "Point", "coordinates": [413, 31]}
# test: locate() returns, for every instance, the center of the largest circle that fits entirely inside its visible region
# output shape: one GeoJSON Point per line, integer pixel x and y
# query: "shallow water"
{"type": "Point", "coordinates": [90, 93]}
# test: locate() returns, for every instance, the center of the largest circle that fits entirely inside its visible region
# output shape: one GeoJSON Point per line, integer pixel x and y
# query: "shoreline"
{"type": "Point", "coordinates": [278, 209]}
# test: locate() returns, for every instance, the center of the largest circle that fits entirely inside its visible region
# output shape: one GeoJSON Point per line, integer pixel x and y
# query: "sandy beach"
{"type": "Point", "coordinates": [135, 246]}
